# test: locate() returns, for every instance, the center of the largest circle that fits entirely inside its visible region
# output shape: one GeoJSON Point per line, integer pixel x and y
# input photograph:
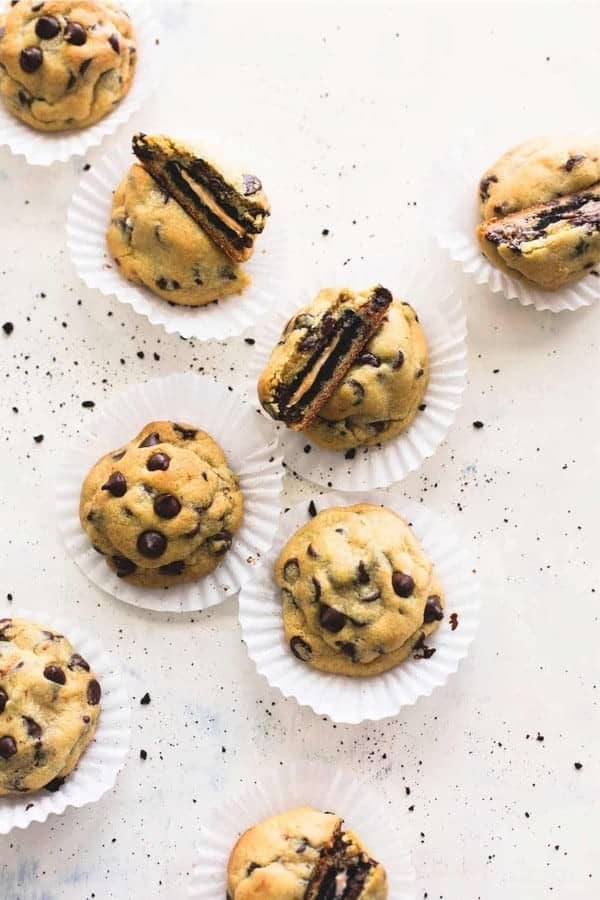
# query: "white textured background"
{"type": "Point", "coordinates": [359, 105]}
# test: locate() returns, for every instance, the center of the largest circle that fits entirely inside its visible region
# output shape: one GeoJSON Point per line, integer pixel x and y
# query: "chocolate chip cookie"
{"type": "Point", "coordinates": [49, 706]}
{"type": "Point", "coordinates": [155, 243]}
{"type": "Point", "coordinates": [164, 508]}
{"type": "Point", "coordinates": [316, 349]}
{"type": "Point", "coordinates": [540, 205]}
{"type": "Point", "coordinates": [382, 390]}
{"type": "Point", "coordinates": [358, 592]}
{"type": "Point", "coordinates": [65, 63]}
{"type": "Point", "coordinates": [231, 207]}
{"type": "Point", "coordinates": [303, 854]}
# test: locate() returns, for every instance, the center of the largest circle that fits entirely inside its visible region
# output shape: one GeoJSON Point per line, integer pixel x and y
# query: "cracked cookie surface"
{"type": "Point", "coordinates": [49, 706]}
{"type": "Point", "coordinates": [164, 509]}
{"type": "Point", "coordinates": [65, 63]}
{"type": "Point", "coordinates": [540, 205]}
{"type": "Point", "coordinates": [383, 389]}
{"type": "Point", "coordinates": [303, 854]}
{"type": "Point", "coordinates": [358, 592]}
{"type": "Point", "coordinates": [155, 243]}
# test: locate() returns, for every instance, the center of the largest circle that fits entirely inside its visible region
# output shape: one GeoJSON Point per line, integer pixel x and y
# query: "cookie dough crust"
{"type": "Point", "coordinates": [164, 509]}
{"type": "Point", "coordinates": [65, 64]}
{"type": "Point", "coordinates": [358, 592]}
{"type": "Point", "coordinates": [49, 706]}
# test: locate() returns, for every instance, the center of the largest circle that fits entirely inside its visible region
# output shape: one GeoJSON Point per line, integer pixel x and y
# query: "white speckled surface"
{"type": "Point", "coordinates": [360, 104]}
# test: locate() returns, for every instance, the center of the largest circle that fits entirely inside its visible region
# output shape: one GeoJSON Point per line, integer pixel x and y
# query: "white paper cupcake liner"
{"type": "Point", "coordinates": [457, 236]}
{"type": "Point", "coordinates": [97, 770]}
{"type": "Point", "coordinates": [87, 224]}
{"type": "Point", "coordinates": [444, 323]}
{"type": "Point", "coordinates": [45, 148]}
{"type": "Point", "coordinates": [353, 700]}
{"type": "Point", "coordinates": [251, 450]}
{"type": "Point", "coordinates": [363, 808]}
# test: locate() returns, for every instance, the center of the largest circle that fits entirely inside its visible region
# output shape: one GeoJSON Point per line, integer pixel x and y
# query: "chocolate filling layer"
{"type": "Point", "coordinates": [578, 210]}
{"type": "Point", "coordinates": [339, 876]}
{"type": "Point", "coordinates": [173, 171]}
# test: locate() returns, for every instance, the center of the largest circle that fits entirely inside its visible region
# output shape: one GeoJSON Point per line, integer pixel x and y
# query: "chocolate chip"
{"type": "Point", "coordinates": [219, 543]}
{"type": "Point", "coordinates": [331, 619]}
{"type": "Point", "coordinates": [158, 462]}
{"type": "Point", "coordinates": [94, 693]}
{"type": "Point", "coordinates": [188, 434]}
{"type": "Point", "coordinates": [350, 454]}
{"type": "Point", "coordinates": [312, 509]}
{"type": "Point", "coordinates": [572, 162]}
{"type": "Point", "coordinates": [151, 544]}
{"type": "Point", "coordinates": [357, 389]}
{"type": "Point", "coordinates": [124, 566]}
{"type": "Point", "coordinates": [403, 584]}
{"type": "Point", "coordinates": [78, 662]}
{"type": "Point", "coordinates": [55, 674]}
{"type": "Point", "coordinates": [484, 186]}
{"type": "Point", "coordinates": [167, 506]}
{"type": "Point", "coordinates": [399, 361]}
{"type": "Point", "coordinates": [75, 34]}
{"type": "Point", "coordinates": [47, 27]}
{"type": "Point", "coordinates": [152, 439]}
{"type": "Point", "coordinates": [301, 649]}
{"type": "Point", "coordinates": [363, 575]}
{"type": "Point", "coordinates": [252, 184]}
{"type": "Point", "coordinates": [117, 456]}
{"type": "Point", "coordinates": [291, 570]}
{"type": "Point", "coordinates": [33, 729]}
{"type": "Point", "coordinates": [371, 597]}
{"type": "Point", "coordinates": [419, 373]}
{"type": "Point", "coordinates": [348, 649]}
{"type": "Point", "coordinates": [317, 587]}
{"type": "Point", "coordinates": [3, 699]}
{"type": "Point", "coordinates": [8, 747]}
{"type": "Point", "coordinates": [381, 297]}
{"type": "Point", "coordinates": [116, 484]}
{"type": "Point", "coordinates": [54, 785]}
{"type": "Point", "coordinates": [167, 284]}
{"type": "Point", "coordinates": [368, 359]}
{"type": "Point", "coordinates": [31, 59]}
{"type": "Point", "coordinates": [85, 66]}
{"type": "Point", "coordinates": [173, 568]}
{"type": "Point", "coordinates": [114, 43]}
{"type": "Point", "coordinates": [311, 551]}
{"type": "Point", "coordinates": [433, 610]}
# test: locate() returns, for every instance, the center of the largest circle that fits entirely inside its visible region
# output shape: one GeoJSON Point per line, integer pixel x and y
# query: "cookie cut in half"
{"type": "Point", "coordinates": [230, 207]}
{"type": "Point", "coordinates": [317, 347]}
{"type": "Point", "coordinates": [551, 243]}
{"type": "Point", "coordinates": [49, 707]}
{"type": "Point", "coordinates": [303, 854]}
{"type": "Point", "coordinates": [540, 210]}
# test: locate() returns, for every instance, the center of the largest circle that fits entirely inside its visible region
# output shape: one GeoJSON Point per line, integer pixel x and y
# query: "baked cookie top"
{"type": "Point", "coordinates": [383, 388]}
{"type": "Point", "coordinates": [358, 591]}
{"type": "Point", "coordinates": [316, 349]}
{"type": "Point", "coordinates": [303, 854]}
{"type": "Point", "coordinates": [65, 63]}
{"type": "Point", "coordinates": [164, 508]}
{"type": "Point", "coordinates": [537, 171]}
{"type": "Point", "coordinates": [154, 242]}
{"type": "Point", "coordinates": [49, 706]}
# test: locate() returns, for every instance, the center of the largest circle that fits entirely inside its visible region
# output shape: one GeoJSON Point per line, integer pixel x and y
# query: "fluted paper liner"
{"type": "Point", "coordinates": [444, 323]}
{"type": "Point", "coordinates": [356, 699]}
{"type": "Point", "coordinates": [42, 148]}
{"type": "Point", "coordinates": [251, 450]}
{"type": "Point", "coordinates": [101, 762]}
{"type": "Point", "coordinates": [364, 809]}
{"type": "Point", "coordinates": [457, 236]}
{"type": "Point", "coordinates": [87, 223]}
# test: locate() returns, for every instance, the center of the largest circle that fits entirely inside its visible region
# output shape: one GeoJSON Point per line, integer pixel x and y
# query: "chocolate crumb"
{"type": "Point", "coordinates": [8, 328]}
{"type": "Point", "coordinates": [88, 404]}
{"type": "Point", "coordinates": [143, 754]}
{"type": "Point", "coordinates": [578, 766]}
{"type": "Point", "coordinates": [145, 699]}
{"type": "Point", "coordinates": [454, 621]}
{"type": "Point", "coordinates": [38, 438]}
{"type": "Point", "coordinates": [477, 424]}
{"type": "Point", "coordinates": [250, 341]}
{"type": "Point", "coordinates": [350, 454]}
{"type": "Point", "coordinates": [325, 232]}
